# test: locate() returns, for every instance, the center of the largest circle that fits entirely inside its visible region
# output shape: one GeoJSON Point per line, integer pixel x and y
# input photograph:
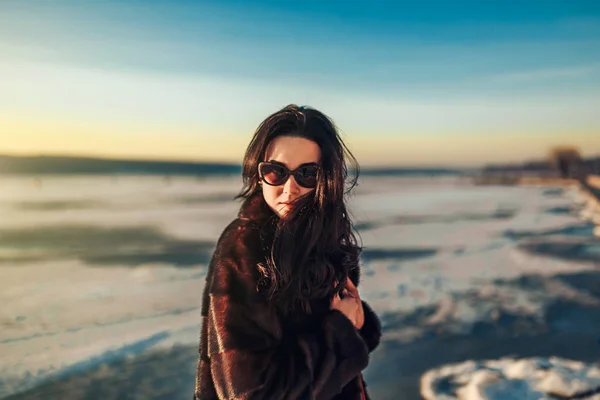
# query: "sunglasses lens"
{"type": "Point", "coordinates": [307, 177]}
{"type": "Point", "coordinates": [273, 174]}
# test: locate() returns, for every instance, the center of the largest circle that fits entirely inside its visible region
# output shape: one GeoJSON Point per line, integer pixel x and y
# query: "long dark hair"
{"type": "Point", "coordinates": [314, 245]}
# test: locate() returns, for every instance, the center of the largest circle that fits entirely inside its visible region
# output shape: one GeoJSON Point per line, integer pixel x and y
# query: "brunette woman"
{"type": "Point", "coordinates": [281, 313]}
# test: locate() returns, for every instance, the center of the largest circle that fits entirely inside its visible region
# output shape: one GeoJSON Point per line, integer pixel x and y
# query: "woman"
{"type": "Point", "coordinates": [281, 315]}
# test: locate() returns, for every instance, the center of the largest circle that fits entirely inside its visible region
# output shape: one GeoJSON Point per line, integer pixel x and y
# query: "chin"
{"type": "Point", "coordinates": [283, 209]}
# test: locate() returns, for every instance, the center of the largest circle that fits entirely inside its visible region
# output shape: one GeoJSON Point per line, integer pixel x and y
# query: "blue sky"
{"type": "Point", "coordinates": [438, 82]}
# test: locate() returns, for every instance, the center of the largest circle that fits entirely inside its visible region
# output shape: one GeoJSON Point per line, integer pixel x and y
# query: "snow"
{"type": "Point", "coordinates": [505, 379]}
{"type": "Point", "coordinates": [100, 268]}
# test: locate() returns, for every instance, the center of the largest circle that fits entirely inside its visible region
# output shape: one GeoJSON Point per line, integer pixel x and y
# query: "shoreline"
{"type": "Point", "coordinates": [588, 187]}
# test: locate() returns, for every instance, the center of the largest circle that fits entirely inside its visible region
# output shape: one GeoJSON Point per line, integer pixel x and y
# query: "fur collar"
{"type": "Point", "coordinates": [256, 209]}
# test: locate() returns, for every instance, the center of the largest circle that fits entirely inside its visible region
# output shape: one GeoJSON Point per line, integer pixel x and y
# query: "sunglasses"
{"type": "Point", "coordinates": [275, 174]}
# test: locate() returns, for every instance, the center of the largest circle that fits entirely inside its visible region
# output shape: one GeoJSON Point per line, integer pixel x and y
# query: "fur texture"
{"type": "Point", "coordinates": [250, 350]}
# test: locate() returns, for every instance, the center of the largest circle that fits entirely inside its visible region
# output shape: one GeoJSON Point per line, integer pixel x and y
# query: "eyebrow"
{"type": "Point", "coordinates": [300, 166]}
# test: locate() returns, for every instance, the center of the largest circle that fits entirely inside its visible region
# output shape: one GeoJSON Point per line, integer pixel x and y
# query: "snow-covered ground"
{"type": "Point", "coordinates": [520, 379]}
{"type": "Point", "coordinates": [101, 279]}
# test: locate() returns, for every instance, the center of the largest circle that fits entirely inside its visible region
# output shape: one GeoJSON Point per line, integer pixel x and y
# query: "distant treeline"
{"type": "Point", "coordinates": [410, 171]}
{"type": "Point", "coordinates": [52, 165]}
{"type": "Point", "coordinates": [589, 165]}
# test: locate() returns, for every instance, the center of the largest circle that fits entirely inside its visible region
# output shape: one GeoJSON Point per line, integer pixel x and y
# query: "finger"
{"type": "Point", "coordinates": [351, 288]}
{"type": "Point", "coordinates": [349, 283]}
{"type": "Point", "coordinates": [360, 317]}
{"type": "Point", "coordinates": [336, 299]}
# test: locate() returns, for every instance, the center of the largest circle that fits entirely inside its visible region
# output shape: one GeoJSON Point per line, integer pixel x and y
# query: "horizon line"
{"type": "Point", "coordinates": [171, 160]}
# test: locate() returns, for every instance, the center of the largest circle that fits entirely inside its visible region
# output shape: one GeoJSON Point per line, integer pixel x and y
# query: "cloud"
{"type": "Point", "coordinates": [209, 103]}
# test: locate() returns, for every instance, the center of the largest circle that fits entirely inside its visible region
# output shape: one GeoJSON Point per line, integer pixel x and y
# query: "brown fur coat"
{"type": "Point", "coordinates": [249, 351]}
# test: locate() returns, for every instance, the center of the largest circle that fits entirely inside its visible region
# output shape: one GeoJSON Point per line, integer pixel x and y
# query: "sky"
{"type": "Point", "coordinates": [453, 83]}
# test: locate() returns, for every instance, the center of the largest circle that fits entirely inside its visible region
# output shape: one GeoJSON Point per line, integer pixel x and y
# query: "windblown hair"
{"type": "Point", "coordinates": [313, 246]}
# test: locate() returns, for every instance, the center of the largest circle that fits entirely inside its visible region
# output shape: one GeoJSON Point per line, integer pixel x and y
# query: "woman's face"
{"type": "Point", "coordinates": [292, 152]}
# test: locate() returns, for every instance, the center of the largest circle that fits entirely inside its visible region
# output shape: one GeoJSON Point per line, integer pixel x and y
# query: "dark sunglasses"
{"type": "Point", "coordinates": [276, 174]}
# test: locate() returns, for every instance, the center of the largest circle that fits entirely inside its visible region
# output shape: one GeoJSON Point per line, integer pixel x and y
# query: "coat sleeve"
{"type": "Point", "coordinates": [371, 330]}
{"type": "Point", "coordinates": [250, 355]}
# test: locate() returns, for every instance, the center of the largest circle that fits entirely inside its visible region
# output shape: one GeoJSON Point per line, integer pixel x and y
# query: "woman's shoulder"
{"type": "Point", "coordinates": [240, 234]}
{"type": "Point", "coordinates": [239, 247]}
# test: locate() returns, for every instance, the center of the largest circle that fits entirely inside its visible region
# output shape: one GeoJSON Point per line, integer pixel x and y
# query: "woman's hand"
{"type": "Point", "coordinates": [350, 304]}
{"type": "Point", "coordinates": [352, 291]}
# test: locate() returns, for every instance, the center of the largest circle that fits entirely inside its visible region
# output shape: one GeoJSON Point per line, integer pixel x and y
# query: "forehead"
{"type": "Point", "coordinates": [293, 151]}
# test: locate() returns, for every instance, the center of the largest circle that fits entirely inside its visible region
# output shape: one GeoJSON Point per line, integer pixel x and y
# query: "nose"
{"type": "Point", "coordinates": [291, 186]}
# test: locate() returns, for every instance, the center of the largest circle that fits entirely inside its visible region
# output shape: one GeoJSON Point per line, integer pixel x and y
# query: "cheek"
{"type": "Point", "coordinates": [271, 193]}
{"type": "Point", "coordinates": [304, 191]}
